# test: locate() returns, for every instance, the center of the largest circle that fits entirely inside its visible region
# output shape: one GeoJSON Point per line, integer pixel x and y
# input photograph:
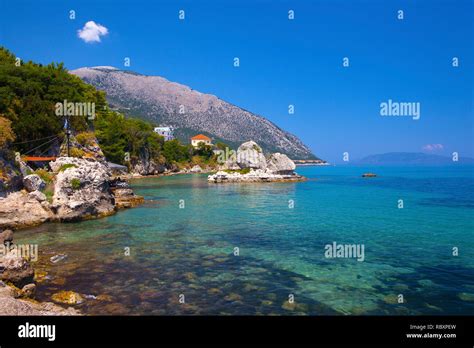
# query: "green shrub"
{"type": "Point", "coordinates": [75, 152]}
{"type": "Point", "coordinates": [75, 184]}
{"type": "Point", "coordinates": [85, 138]}
{"type": "Point", "coordinates": [46, 176]}
{"type": "Point", "coordinates": [66, 166]}
{"type": "Point", "coordinates": [241, 171]}
{"type": "Point", "coordinates": [49, 193]}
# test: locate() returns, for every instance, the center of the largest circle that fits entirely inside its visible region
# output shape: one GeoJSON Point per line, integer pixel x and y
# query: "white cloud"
{"type": "Point", "coordinates": [92, 32]}
{"type": "Point", "coordinates": [433, 147]}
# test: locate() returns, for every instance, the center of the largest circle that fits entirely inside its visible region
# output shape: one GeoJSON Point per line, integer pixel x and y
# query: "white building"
{"type": "Point", "coordinates": [165, 131]}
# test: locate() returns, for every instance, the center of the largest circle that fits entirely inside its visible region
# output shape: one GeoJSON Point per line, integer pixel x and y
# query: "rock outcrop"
{"type": "Point", "coordinates": [10, 174]}
{"type": "Point", "coordinates": [20, 210]}
{"type": "Point", "coordinates": [253, 167]}
{"type": "Point", "coordinates": [83, 145]}
{"type": "Point", "coordinates": [125, 198]}
{"type": "Point", "coordinates": [143, 167]}
{"type": "Point", "coordinates": [196, 169]}
{"type": "Point", "coordinates": [250, 155]}
{"type": "Point", "coordinates": [279, 163]}
{"type": "Point", "coordinates": [82, 190]}
{"type": "Point", "coordinates": [33, 182]}
{"type": "Point", "coordinates": [16, 270]}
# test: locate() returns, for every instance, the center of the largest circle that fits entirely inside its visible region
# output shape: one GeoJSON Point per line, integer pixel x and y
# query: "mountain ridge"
{"type": "Point", "coordinates": [156, 99]}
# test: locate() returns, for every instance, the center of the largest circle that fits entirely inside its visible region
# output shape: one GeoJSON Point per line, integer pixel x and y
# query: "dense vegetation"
{"type": "Point", "coordinates": [28, 122]}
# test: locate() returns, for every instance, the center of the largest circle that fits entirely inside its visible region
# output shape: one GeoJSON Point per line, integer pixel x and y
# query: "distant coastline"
{"type": "Point", "coordinates": [311, 163]}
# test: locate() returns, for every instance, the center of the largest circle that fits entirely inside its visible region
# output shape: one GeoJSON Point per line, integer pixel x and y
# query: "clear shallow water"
{"type": "Point", "coordinates": [190, 251]}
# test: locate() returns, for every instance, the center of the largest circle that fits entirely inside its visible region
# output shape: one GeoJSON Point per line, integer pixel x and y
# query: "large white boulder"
{"type": "Point", "coordinates": [250, 155]}
{"type": "Point", "coordinates": [280, 163]}
{"type": "Point", "coordinates": [196, 169]}
{"type": "Point", "coordinates": [81, 191]}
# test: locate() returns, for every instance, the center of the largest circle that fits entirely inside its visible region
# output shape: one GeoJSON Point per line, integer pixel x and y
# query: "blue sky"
{"type": "Point", "coordinates": [284, 62]}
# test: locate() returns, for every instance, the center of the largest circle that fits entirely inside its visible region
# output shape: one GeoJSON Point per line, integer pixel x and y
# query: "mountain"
{"type": "Point", "coordinates": [160, 101]}
{"type": "Point", "coordinates": [411, 158]}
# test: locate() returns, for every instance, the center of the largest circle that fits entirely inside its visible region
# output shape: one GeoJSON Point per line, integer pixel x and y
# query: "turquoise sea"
{"type": "Point", "coordinates": [182, 242]}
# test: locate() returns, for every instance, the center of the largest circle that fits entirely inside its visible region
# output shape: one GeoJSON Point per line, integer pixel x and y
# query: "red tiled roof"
{"type": "Point", "coordinates": [200, 137]}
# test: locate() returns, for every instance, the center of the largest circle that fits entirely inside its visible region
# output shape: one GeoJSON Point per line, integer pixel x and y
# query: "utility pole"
{"type": "Point", "coordinates": [68, 133]}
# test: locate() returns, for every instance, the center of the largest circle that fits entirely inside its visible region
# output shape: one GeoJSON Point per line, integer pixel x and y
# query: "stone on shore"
{"type": "Point", "coordinates": [33, 182]}
{"type": "Point", "coordinates": [16, 270]}
{"type": "Point", "coordinates": [196, 169]}
{"type": "Point", "coordinates": [19, 210]}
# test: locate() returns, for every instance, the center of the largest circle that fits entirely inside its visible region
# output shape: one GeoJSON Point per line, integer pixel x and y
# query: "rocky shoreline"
{"type": "Point", "coordinates": [83, 189]}
{"type": "Point", "coordinates": [86, 188]}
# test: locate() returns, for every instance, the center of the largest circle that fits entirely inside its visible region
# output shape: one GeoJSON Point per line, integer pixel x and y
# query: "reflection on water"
{"type": "Point", "coordinates": [190, 251]}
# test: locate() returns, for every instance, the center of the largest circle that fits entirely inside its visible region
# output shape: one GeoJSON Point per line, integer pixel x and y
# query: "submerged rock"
{"type": "Point", "coordinates": [14, 306]}
{"type": "Point", "coordinates": [57, 258]}
{"type": "Point", "coordinates": [289, 306]}
{"type": "Point", "coordinates": [466, 296]}
{"type": "Point", "coordinates": [67, 297]}
{"type": "Point", "coordinates": [233, 297]}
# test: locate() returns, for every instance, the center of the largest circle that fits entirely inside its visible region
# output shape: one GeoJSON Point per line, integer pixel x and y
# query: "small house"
{"type": "Point", "coordinates": [200, 138]}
